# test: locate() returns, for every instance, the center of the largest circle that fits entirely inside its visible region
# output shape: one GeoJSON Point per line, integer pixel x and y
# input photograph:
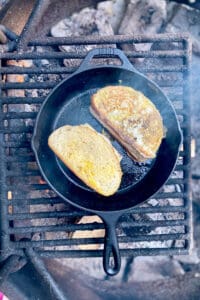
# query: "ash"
{"type": "Point", "coordinates": [88, 21]}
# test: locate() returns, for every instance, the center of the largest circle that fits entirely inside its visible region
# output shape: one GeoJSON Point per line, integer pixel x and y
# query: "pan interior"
{"type": "Point", "coordinates": [69, 103]}
{"type": "Point", "coordinates": [76, 112]}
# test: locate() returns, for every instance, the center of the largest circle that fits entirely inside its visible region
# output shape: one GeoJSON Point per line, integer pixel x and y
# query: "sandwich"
{"type": "Point", "coordinates": [131, 118]}
{"type": "Point", "coordinates": [89, 155]}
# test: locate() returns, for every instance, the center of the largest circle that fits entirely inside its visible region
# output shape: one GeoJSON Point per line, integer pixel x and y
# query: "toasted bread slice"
{"type": "Point", "coordinates": [131, 118]}
{"type": "Point", "coordinates": [89, 155]}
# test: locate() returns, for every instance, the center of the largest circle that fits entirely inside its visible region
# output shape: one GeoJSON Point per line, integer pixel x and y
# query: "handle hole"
{"type": "Point", "coordinates": [98, 60]}
{"type": "Point", "coordinates": [111, 261]}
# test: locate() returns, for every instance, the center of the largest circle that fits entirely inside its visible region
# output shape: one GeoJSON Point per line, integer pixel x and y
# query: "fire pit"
{"type": "Point", "coordinates": [35, 223]}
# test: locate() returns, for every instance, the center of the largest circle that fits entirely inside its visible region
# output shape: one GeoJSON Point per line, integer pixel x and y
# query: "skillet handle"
{"type": "Point", "coordinates": [111, 255]}
{"type": "Point", "coordinates": [108, 53]}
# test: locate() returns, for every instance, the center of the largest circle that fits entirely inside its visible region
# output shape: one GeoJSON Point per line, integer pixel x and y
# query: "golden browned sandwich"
{"type": "Point", "coordinates": [89, 155]}
{"type": "Point", "coordinates": [131, 118]}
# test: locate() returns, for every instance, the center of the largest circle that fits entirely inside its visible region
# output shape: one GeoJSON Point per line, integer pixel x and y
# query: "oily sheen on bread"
{"type": "Point", "coordinates": [131, 118]}
{"type": "Point", "coordinates": [89, 155]}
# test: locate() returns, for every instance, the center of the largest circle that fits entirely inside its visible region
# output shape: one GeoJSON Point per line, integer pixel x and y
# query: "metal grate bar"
{"type": "Point", "coordinates": [23, 173]}
{"type": "Point", "coordinates": [17, 159]}
{"type": "Point", "coordinates": [28, 85]}
{"type": "Point", "coordinates": [121, 239]}
{"type": "Point", "coordinates": [123, 252]}
{"type": "Point", "coordinates": [4, 237]}
{"type": "Point", "coordinates": [22, 177]}
{"type": "Point", "coordinates": [16, 144]}
{"type": "Point", "coordinates": [50, 84]}
{"type": "Point", "coordinates": [20, 129]}
{"type": "Point", "coordinates": [39, 187]}
{"type": "Point", "coordinates": [22, 100]}
{"type": "Point", "coordinates": [54, 200]}
{"type": "Point", "coordinates": [59, 214]}
{"type": "Point", "coordinates": [81, 55]}
{"type": "Point", "coordinates": [128, 39]}
{"type": "Point", "coordinates": [74, 227]}
{"type": "Point", "coordinates": [67, 70]}
{"type": "Point", "coordinates": [21, 115]}
{"type": "Point", "coordinates": [36, 201]}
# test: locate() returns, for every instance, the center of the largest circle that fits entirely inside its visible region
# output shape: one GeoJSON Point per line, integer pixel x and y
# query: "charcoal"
{"type": "Point", "coordinates": [143, 17]}
{"type": "Point", "coordinates": [88, 21]}
{"type": "Point", "coordinates": [186, 19]}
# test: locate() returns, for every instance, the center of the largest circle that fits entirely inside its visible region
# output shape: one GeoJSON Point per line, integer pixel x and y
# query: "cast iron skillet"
{"type": "Point", "coordinates": [68, 103]}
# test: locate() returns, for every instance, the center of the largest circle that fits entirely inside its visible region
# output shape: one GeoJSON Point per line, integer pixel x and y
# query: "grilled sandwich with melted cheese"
{"type": "Point", "coordinates": [131, 118]}
{"type": "Point", "coordinates": [89, 155]}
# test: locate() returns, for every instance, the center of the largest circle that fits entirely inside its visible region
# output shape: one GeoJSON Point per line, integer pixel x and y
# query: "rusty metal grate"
{"type": "Point", "coordinates": [32, 216]}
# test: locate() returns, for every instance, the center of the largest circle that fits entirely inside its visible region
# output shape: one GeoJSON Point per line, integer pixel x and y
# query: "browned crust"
{"type": "Point", "coordinates": [80, 175]}
{"type": "Point", "coordinates": [68, 165]}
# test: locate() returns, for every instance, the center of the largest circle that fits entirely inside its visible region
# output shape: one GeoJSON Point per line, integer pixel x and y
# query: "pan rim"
{"type": "Point", "coordinates": [34, 137]}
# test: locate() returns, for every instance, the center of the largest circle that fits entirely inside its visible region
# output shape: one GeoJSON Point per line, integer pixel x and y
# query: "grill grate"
{"type": "Point", "coordinates": [32, 215]}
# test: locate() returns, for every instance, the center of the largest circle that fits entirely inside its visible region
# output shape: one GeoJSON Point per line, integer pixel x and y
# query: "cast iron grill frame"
{"type": "Point", "coordinates": [9, 230]}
